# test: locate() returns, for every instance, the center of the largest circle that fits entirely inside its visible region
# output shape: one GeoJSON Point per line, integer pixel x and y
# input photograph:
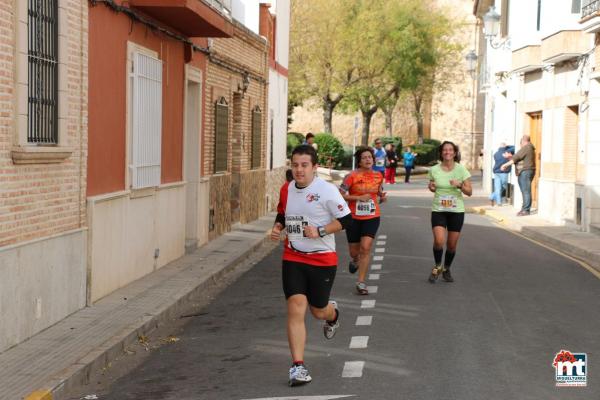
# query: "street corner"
{"type": "Point", "coordinates": [484, 210]}
{"type": "Point", "coordinates": [39, 395]}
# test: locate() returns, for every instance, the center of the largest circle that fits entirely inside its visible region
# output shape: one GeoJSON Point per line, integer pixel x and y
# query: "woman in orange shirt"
{"type": "Point", "coordinates": [361, 189]}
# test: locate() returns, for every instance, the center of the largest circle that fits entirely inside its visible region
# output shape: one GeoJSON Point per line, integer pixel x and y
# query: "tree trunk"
{"type": "Point", "coordinates": [419, 117]}
{"type": "Point", "coordinates": [388, 121]}
{"type": "Point", "coordinates": [366, 125]}
{"type": "Point", "coordinates": [327, 116]}
{"type": "Point", "coordinates": [328, 105]}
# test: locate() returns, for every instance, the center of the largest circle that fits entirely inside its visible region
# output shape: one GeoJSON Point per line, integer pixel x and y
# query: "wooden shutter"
{"type": "Point", "coordinates": [146, 121]}
{"type": "Point", "coordinates": [256, 137]}
{"type": "Point", "coordinates": [221, 134]}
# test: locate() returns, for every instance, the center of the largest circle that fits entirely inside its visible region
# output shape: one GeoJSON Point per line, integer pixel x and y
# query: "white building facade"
{"type": "Point", "coordinates": [538, 77]}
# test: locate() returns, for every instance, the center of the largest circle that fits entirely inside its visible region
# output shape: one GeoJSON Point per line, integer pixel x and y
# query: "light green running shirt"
{"type": "Point", "coordinates": [448, 197]}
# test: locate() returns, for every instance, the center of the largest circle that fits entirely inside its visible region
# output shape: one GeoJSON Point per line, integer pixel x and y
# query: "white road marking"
{"type": "Point", "coordinates": [382, 243]}
{"type": "Point", "coordinates": [367, 304]}
{"type": "Point", "coordinates": [373, 277]}
{"type": "Point", "coordinates": [359, 342]}
{"type": "Point", "coordinates": [376, 267]}
{"type": "Point", "coordinates": [326, 397]}
{"type": "Point", "coordinates": [382, 237]}
{"type": "Point", "coordinates": [353, 369]}
{"type": "Point", "coordinates": [364, 320]}
{"type": "Point", "coordinates": [380, 250]}
{"type": "Point", "coordinates": [378, 258]}
{"type": "Point", "coordinates": [372, 289]}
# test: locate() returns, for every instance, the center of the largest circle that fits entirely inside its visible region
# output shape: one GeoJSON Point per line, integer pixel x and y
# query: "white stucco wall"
{"type": "Point", "coordinates": [126, 230]}
{"type": "Point", "coordinates": [41, 282]}
{"type": "Point", "coordinates": [278, 98]}
{"type": "Point", "coordinates": [247, 12]}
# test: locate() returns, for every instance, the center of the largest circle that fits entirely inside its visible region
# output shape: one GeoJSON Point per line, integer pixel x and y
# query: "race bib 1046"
{"type": "Point", "coordinates": [294, 226]}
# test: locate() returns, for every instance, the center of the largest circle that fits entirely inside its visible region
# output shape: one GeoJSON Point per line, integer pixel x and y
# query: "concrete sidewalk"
{"type": "Point", "coordinates": [66, 354]}
{"type": "Point", "coordinates": [580, 245]}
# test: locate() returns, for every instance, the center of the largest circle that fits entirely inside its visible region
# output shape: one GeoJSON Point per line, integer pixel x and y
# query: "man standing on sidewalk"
{"type": "Point", "coordinates": [503, 153]}
{"type": "Point", "coordinates": [311, 211]}
{"type": "Point", "coordinates": [525, 171]}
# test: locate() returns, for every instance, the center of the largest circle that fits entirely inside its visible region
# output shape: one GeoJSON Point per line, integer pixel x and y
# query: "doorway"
{"type": "Point", "coordinates": [535, 134]}
{"type": "Point", "coordinates": [192, 156]}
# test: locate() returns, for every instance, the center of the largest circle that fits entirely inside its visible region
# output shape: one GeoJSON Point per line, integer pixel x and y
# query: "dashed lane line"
{"type": "Point", "coordinates": [367, 304]}
{"type": "Point", "coordinates": [378, 258]}
{"type": "Point", "coordinates": [380, 250]}
{"type": "Point", "coordinates": [353, 369]}
{"type": "Point", "coordinates": [376, 267]}
{"type": "Point", "coordinates": [364, 320]}
{"type": "Point", "coordinates": [372, 289]}
{"type": "Point", "coordinates": [373, 277]}
{"type": "Point", "coordinates": [359, 342]}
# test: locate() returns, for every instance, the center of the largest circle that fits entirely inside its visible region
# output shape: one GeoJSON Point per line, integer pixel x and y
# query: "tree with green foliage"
{"type": "Point", "coordinates": [427, 57]}
{"type": "Point", "coordinates": [320, 64]}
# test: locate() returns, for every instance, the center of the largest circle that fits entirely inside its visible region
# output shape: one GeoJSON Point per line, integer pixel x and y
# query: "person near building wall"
{"type": "Point", "coordinates": [524, 162]}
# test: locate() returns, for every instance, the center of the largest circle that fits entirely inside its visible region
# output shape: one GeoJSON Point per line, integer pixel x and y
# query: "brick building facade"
{"type": "Point", "coordinates": [43, 154]}
{"type": "Point", "coordinates": [236, 79]}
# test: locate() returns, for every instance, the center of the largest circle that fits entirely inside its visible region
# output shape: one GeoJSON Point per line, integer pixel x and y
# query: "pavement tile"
{"type": "Point", "coordinates": [54, 358]}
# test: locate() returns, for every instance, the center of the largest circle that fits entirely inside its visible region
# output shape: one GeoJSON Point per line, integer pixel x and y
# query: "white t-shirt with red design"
{"type": "Point", "coordinates": [316, 205]}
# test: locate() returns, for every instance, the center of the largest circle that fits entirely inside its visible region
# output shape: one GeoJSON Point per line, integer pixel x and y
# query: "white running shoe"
{"type": "Point", "coordinates": [330, 328]}
{"type": "Point", "coordinates": [299, 375]}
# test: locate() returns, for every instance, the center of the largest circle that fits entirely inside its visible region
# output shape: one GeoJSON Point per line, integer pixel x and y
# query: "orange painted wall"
{"type": "Point", "coordinates": [108, 36]}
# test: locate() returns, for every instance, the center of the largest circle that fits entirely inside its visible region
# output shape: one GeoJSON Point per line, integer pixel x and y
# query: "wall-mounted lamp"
{"type": "Point", "coordinates": [471, 63]}
{"type": "Point", "coordinates": [245, 83]}
{"type": "Point", "coordinates": [491, 27]}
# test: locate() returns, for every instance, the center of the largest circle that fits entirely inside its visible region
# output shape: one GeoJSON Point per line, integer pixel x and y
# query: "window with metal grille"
{"type": "Point", "coordinates": [221, 134]}
{"type": "Point", "coordinates": [256, 137]}
{"type": "Point", "coordinates": [42, 55]}
{"type": "Point", "coordinates": [146, 121]}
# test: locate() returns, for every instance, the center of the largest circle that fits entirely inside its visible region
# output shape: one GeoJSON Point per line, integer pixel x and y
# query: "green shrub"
{"type": "Point", "coordinates": [434, 142]}
{"type": "Point", "coordinates": [426, 153]}
{"type": "Point", "coordinates": [329, 150]}
{"type": "Point", "coordinates": [293, 139]}
{"type": "Point", "coordinates": [347, 159]}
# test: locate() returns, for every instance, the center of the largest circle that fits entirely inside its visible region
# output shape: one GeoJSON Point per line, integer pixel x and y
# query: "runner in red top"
{"type": "Point", "coordinates": [310, 210]}
{"type": "Point", "coordinates": [362, 189]}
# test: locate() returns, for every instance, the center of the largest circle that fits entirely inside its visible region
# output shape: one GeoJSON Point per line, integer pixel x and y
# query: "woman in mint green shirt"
{"type": "Point", "coordinates": [448, 180]}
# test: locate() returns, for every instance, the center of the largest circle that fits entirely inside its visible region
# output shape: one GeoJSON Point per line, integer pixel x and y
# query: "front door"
{"type": "Point", "coordinates": [535, 133]}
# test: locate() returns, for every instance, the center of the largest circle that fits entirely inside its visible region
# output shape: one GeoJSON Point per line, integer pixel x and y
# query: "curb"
{"type": "Point", "coordinates": [581, 254]}
{"type": "Point", "coordinates": [79, 373]}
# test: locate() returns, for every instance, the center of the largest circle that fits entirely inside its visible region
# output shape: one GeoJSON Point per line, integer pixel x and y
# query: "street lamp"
{"type": "Point", "coordinates": [471, 63]}
{"type": "Point", "coordinates": [491, 27]}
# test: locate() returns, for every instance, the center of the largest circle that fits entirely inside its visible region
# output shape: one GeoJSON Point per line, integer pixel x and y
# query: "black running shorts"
{"type": "Point", "coordinates": [362, 227]}
{"type": "Point", "coordinates": [313, 282]}
{"type": "Point", "coordinates": [453, 221]}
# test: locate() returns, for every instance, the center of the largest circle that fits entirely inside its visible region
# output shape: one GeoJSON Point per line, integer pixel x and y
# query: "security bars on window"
{"type": "Point", "coordinates": [221, 134]}
{"type": "Point", "coordinates": [42, 51]}
{"type": "Point", "coordinates": [256, 137]}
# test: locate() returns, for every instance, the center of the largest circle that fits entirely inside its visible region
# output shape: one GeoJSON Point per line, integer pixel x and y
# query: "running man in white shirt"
{"type": "Point", "coordinates": [311, 211]}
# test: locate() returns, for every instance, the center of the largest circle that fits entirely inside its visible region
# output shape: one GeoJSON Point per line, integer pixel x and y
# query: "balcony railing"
{"type": "Point", "coordinates": [589, 7]}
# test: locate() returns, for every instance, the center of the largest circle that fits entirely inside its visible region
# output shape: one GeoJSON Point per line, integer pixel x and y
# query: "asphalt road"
{"type": "Point", "coordinates": [491, 334]}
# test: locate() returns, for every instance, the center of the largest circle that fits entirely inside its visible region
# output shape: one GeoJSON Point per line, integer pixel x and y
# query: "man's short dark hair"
{"type": "Point", "coordinates": [306, 149]}
{"type": "Point", "coordinates": [456, 150]}
{"type": "Point", "coordinates": [309, 135]}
